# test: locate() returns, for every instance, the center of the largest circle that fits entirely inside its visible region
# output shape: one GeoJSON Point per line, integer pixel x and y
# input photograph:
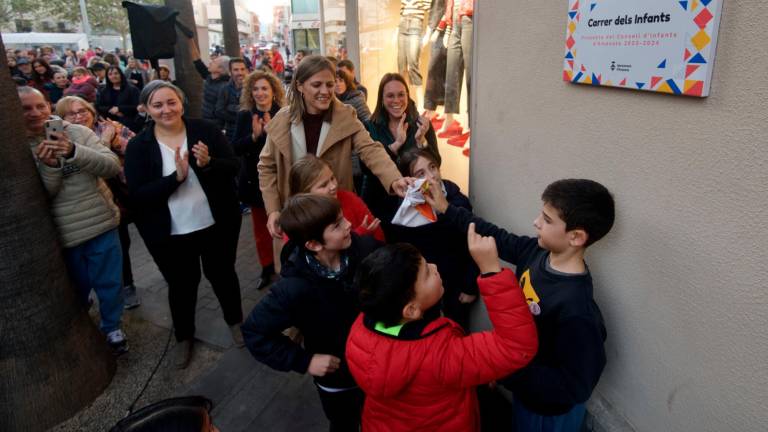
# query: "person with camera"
{"type": "Point", "coordinates": [73, 164]}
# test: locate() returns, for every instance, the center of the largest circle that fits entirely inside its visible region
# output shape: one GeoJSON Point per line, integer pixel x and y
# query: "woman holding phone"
{"type": "Point", "coordinates": [181, 174]}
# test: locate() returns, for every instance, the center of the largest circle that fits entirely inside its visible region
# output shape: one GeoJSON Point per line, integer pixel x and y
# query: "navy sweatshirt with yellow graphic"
{"type": "Point", "coordinates": [571, 331]}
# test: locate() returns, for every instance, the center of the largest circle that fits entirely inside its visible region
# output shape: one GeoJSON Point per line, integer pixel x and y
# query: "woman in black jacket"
{"type": "Point", "coordinates": [261, 98]}
{"type": "Point", "coordinates": [118, 99]}
{"type": "Point", "coordinates": [180, 177]}
{"type": "Point", "coordinates": [397, 125]}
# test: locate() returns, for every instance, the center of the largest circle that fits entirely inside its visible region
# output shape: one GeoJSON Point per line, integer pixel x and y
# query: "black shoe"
{"type": "Point", "coordinates": [267, 274]}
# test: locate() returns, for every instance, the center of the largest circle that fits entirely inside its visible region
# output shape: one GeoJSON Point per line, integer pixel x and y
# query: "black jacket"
{"type": "Point", "coordinates": [250, 150]}
{"type": "Point", "coordinates": [211, 89]}
{"type": "Point", "coordinates": [323, 309]}
{"type": "Point", "coordinates": [149, 189]}
{"type": "Point", "coordinates": [443, 245]}
{"type": "Point", "coordinates": [227, 107]}
{"type": "Point", "coordinates": [126, 100]}
{"type": "Point", "coordinates": [382, 204]}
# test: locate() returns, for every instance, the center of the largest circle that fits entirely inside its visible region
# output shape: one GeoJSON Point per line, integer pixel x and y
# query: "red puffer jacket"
{"type": "Point", "coordinates": [427, 383]}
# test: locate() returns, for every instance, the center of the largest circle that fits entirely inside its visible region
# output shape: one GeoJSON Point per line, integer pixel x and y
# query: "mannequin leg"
{"type": "Point", "coordinates": [449, 120]}
{"type": "Point", "coordinates": [418, 94]}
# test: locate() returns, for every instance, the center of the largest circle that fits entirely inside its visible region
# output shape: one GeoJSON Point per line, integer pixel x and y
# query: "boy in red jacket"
{"type": "Point", "coordinates": [418, 370]}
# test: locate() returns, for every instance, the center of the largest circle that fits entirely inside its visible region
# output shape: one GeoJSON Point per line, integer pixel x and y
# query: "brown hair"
{"type": "Point", "coordinates": [309, 66]}
{"type": "Point", "coordinates": [304, 173]}
{"type": "Point", "coordinates": [349, 80]}
{"type": "Point", "coordinates": [81, 70]}
{"type": "Point", "coordinates": [246, 98]}
{"type": "Point", "coordinates": [409, 158]}
{"type": "Point", "coordinates": [380, 113]}
{"type": "Point", "coordinates": [306, 216]}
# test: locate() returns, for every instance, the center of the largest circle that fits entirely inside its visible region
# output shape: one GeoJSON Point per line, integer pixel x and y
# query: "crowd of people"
{"type": "Point", "coordinates": [378, 304]}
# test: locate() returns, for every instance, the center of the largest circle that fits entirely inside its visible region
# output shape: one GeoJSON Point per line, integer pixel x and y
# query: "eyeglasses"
{"type": "Point", "coordinates": [79, 113]}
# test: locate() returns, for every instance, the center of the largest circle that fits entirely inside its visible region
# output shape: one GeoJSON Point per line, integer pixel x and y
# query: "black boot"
{"type": "Point", "coordinates": [266, 276]}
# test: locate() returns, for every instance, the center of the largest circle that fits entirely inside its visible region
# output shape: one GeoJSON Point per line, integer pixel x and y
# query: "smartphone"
{"type": "Point", "coordinates": [51, 126]}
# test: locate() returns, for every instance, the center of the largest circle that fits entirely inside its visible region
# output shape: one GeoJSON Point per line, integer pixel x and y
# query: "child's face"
{"type": "Point", "coordinates": [551, 229]}
{"type": "Point", "coordinates": [428, 289]}
{"type": "Point", "coordinates": [424, 168]}
{"type": "Point", "coordinates": [60, 79]}
{"type": "Point", "coordinates": [338, 236]}
{"type": "Point", "coordinates": [325, 184]}
{"type": "Point", "coordinates": [77, 75]}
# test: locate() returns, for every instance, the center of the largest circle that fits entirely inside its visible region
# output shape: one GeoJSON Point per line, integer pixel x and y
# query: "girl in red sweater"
{"type": "Point", "coordinates": [311, 174]}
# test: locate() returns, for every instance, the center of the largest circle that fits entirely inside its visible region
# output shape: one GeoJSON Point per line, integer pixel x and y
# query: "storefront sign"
{"type": "Point", "coordinates": [655, 45]}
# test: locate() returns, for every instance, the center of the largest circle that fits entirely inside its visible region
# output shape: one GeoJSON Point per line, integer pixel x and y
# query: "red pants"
{"type": "Point", "coordinates": [262, 236]}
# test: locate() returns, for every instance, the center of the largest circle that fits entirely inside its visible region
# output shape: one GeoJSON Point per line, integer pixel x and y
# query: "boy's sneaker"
{"type": "Point", "coordinates": [117, 341]}
{"type": "Point", "coordinates": [131, 297]}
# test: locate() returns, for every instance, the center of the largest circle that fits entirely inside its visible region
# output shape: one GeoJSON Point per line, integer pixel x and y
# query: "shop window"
{"type": "Point", "coordinates": [307, 39]}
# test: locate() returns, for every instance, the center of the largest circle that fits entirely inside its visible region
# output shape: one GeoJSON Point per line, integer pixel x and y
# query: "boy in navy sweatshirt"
{"type": "Point", "coordinates": [551, 391]}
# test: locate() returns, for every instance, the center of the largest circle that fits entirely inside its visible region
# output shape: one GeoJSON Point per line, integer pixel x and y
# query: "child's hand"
{"type": "Point", "coordinates": [466, 298]}
{"type": "Point", "coordinates": [434, 196]}
{"type": "Point", "coordinates": [323, 364]}
{"type": "Point", "coordinates": [483, 251]}
{"type": "Point", "coordinates": [370, 227]}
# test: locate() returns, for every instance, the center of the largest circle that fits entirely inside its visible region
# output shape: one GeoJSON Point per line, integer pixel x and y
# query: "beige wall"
{"type": "Point", "coordinates": [682, 278]}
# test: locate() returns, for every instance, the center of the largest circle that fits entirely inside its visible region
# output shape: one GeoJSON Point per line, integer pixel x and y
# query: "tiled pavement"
{"type": "Point", "coordinates": [248, 396]}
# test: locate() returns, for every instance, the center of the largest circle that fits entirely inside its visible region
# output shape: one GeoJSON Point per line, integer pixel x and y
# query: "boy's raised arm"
{"type": "Point", "coordinates": [510, 246]}
{"type": "Point", "coordinates": [483, 357]}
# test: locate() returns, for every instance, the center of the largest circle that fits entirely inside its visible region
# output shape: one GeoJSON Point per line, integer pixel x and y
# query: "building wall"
{"type": "Point", "coordinates": [682, 277]}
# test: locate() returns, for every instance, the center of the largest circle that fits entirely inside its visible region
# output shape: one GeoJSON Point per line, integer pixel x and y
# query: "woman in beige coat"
{"type": "Point", "coordinates": [317, 123]}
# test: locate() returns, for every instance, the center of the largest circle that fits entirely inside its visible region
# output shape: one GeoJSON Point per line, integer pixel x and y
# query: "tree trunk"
{"type": "Point", "coordinates": [229, 26]}
{"type": "Point", "coordinates": [53, 360]}
{"type": "Point", "coordinates": [186, 76]}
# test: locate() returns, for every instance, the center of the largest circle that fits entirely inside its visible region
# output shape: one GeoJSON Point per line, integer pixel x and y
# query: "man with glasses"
{"type": "Point", "coordinates": [73, 164]}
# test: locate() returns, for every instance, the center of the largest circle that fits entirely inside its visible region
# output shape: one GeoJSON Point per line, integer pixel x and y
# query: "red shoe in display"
{"type": "Point", "coordinates": [437, 122]}
{"type": "Point", "coordinates": [465, 152]}
{"type": "Point", "coordinates": [459, 140]}
{"type": "Point", "coordinates": [453, 130]}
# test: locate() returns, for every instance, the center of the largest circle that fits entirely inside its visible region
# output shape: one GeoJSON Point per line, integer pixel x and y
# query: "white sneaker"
{"type": "Point", "coordinates": [117, 341]}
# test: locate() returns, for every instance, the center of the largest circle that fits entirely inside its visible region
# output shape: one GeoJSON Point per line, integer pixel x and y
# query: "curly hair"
{"type": "Point", "coordinates": [246, 97]}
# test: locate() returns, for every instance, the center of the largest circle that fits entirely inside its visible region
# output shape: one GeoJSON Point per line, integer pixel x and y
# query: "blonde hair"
{"type": "Point", "coordinates": [65, 104]}
{"type": "Point", "coordinates": [246, 98]}
{"type": "Point", "coordinates": [309, 66]}
{"type": "Point", "coordinates": [305, 172]}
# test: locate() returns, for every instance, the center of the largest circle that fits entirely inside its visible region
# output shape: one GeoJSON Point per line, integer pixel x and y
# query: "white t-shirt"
{"type": "Point", "coordinates": [189, 206]}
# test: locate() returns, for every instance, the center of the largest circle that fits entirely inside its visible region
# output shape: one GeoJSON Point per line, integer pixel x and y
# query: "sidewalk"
{"type": "Point", "coordinates": [247, 395]}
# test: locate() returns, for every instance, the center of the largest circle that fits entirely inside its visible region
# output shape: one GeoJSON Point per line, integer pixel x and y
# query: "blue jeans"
{"type": "Point", "coordinates": [528, 421]}
{"type": "Point", "coordinates": [97, 265]}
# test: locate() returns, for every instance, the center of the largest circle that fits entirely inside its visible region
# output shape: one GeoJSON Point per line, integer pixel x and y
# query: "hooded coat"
{"type": "Point", "coordinates": [424, 378]}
